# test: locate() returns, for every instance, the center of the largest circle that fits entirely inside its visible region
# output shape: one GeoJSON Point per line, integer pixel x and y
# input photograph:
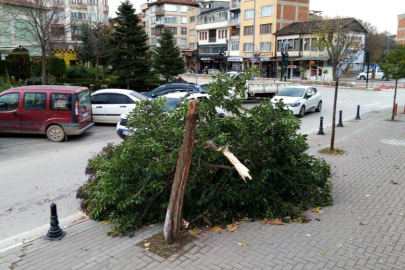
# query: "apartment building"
{"type": "Point", "coordinates": [401, 29]}
{"type": "Point", "coordinates": [171, 14]}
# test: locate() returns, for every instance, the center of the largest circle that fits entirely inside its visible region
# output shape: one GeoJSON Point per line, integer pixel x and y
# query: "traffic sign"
{"type": "Point", "coordinates": [374, 66]}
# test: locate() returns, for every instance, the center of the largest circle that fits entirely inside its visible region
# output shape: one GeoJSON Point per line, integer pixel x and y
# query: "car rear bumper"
{"type": "Point", "coordinates": [74, 129]}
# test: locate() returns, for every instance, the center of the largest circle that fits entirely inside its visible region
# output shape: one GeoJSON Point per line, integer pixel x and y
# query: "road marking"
{"type": "Point", "coordinates": [36, 233]}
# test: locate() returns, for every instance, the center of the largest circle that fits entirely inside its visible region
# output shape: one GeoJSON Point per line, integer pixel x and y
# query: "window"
{"type": "Point", "coordinates": [93, 2]}
{"type": "Point", "coordinates": [60, 15]}
{"type": "Point", "coordinates": [265, 46]}
{"type": "Point", "coordinates": [153, 41]}
{"type": "Point", "coordinates": [93, 17]}
{"type": "Point", "coordinates": [265, 29]}
{"type": "Point", "coordinates": [76, 31]}
{"type": "Point", "coordinates": [99, 99]}
{"type": "Point", "coordinates": [171, 19]}
{"type": "Point", "coordinates": [183, 42]}
{"type": "Point", "coordinates": [290, 45]}
{"type": "Point", "coordinates": [192, 19]}
{"type": "Point", "coordinates": [173, 29]}
{"type": "Point", "coordinates": [119, 99]}
{"type": "Point", "coordinates": [249, 13]}
{"type": "Point", "coordinates": [169, 7]}
{"type": "Point", "coordinates": [307, 44]}
{"type": "Point", "coordinates": [248, 47]}
{"type": "Point", "coordinates": [213, 17]}
{"type": "Point", "coordinates": [321, 45]}
{"type": "Point", "coordinates": [203, 36]}
{"type": "Point", "coordinates": [192, 45]}
{"type": "Point", "coordinates": [152, 9]}
{"type": "Point", "coordinates": [175, 41]}
{"type": "Point", "coordinates": [183, 31]}
{"type": "Point", "coordinates": [78, 15]}
{"type": "Point", "coordinates": [152, 20]}
{"type": "Point", "coordinates": [297, 44]}
{"type": "Point", "coordinates": [184, 8]}
{"type": "Point", "coordinates": [279, 45]}
{"type": "Point", "coordinates": [153, 31]}
{"type": "Point", "coordinates": [266, 11]}
{"type": "Point", "coordinates": [314, 45]}
{"type": "Point", "coordinates": [248, 30]}
{"type": "Point", "coordinates": [192, 33]}
{"type": "Point", "coordinates": [235, 46]}
{"type": "Point", "coordinates": [183, 19]}
{"type": "Point", "coordinates": [9, 102]}
{"type": "Point", "coordinates": [61, 102]}
{"type": "Point", "coordinates": [84, 98]}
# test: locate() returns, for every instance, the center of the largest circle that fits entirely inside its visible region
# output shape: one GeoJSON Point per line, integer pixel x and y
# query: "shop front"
{"type": "Point", "coordinates": [235, 64]}
{"type": "Point", "coordinates": [212, 57]}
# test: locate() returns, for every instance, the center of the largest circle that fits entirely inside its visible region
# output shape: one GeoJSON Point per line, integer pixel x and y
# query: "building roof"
{"type": "Point", "coordinates": [214, 10]}
{"type": "Point", "coordinates": [312, 27]}
{"type": "Point", "coordinates": [179, 2]}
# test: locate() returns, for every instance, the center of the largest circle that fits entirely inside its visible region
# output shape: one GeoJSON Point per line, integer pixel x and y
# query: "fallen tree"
{"type": "Point", "coordinates": [131, 183]}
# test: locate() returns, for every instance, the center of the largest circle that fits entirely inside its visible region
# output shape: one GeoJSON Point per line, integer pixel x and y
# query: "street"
{"type": "Point", "coordinates": [36, 172]}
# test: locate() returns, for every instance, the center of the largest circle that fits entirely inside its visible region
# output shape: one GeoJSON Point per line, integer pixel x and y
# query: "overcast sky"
{"type": "Point", "coordinates": [383, 15]}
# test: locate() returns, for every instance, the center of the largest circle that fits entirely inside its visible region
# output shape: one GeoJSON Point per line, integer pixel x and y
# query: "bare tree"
{"type": "Point", "coordinates": [343, 38]}
{"type": "Point", "coordinates": [38, 22]}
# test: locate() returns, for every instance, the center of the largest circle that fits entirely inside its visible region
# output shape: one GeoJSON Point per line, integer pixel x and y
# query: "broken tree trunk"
{"type": "Point", "coordinates": [242, 170]}
{"type": "Point", "coordinates": [171, 228]}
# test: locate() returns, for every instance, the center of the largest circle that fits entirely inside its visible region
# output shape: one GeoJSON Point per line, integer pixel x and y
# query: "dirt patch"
{"type": "Point", "coordinates": [335, 152]}
{"type": "Point", "coordinates": [158, 245]}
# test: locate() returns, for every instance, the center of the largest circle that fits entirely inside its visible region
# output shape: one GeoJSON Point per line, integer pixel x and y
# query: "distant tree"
{"type": "Point", "coordinates": [56, 66]}
{"type": "Point", "coordinates": [167, 60]}
{"type": "Point", "coordinates": [94, 47]}
{"type": "Point", "coordinates": [340, 38]}
{"type": "Point", "coordinates": [19, 65]}
{"type": "Point", "coordinates": [129, 48]}
{"type": "Point", "coordinates": [37, 22]}
{"type": "Point", "coordinates": [394, 66]}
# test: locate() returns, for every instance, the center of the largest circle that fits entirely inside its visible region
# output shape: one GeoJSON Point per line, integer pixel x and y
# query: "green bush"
{"type": "Point", "coordinates": [131, 183]}
{"type": "Point", "coordinates": [77, 72]}
{"type": "Point", "coordinates": [19, 65]}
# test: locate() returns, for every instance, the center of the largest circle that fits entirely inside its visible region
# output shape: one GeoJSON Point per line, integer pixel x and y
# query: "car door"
{"type": "Point", "coordinates": [316, 96]}
{"type": "Point", "coordinates": [117, 104]}
{"type": "Point", "coordinates": [310, 99]}
{"type": "Point", "coordinates": [379, 74]}
{"type": "Point", "coordinates": [34, 112]}
{"type": "Point", "coordinates": [10, 112]}
{"type": "Point", "coordinates": [98, 103]}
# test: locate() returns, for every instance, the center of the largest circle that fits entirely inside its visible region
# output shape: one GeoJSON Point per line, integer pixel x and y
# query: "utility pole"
{"type": "Point", "coordinates": [254, 32]}
{"type": "Point", "coordinates": [368, 54]}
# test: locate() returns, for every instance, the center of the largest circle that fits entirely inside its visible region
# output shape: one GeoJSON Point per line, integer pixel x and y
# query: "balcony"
{"type": "Point", "coordinates": [212, 40]}
{"type": "Point", "coordinates": [235, 21]}
{"type": "Point", "coordinates": [160, 23]}
{"type": "Point", "coordinates": [235, 4]}
{"type": "Point", "coordinates": [159, 12]}
{"type": "Point", "coordinates": [235, 37]}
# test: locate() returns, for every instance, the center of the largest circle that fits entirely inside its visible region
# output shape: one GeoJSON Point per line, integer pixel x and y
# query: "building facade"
{"type": "Point", "coordinates": [308, 60]}
{"type": "Point", "coordinates": [171, 14]}
{"type": "Point", "coordinates": [401, 29]}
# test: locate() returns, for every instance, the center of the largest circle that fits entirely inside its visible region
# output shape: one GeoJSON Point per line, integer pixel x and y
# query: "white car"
{"type": "Point", "coordinates": [109, 104]}
{"type": "Point", "coordinates": [379, 75]}
{"type": "Point", "coordinates": [299, 99]}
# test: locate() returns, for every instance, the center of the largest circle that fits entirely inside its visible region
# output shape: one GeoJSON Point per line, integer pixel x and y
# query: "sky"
{"type": "Point", "coordinates": [383, 15]}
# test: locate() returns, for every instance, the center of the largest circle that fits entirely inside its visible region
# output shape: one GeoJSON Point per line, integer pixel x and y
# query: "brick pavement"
{"type": "Point", "coordinates": [365, 226]}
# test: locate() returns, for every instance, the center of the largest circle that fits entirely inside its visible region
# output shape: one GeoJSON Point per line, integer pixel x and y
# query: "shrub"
{"type": "Point", "coordinates": [131, 183]}
{"type": "Point", "coordinates": [77, 72]}
{"type": "Point", "coordinates": [19, 65]}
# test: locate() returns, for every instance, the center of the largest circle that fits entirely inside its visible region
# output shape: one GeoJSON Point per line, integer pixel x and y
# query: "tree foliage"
{"type": "Point", "coordinates": [130, 183]}
{"type": "Point", "coordinates": [167, 60]}
{"type": "Point", "coordinates": [19, 65]}
{"type": "Point", "coordinates": [129, 48]}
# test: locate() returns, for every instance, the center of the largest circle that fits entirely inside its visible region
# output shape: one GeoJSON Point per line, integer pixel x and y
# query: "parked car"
{"type": "Point", "coordinates": [109, 104]}
{"type": "Point", "coordinates": [299, 99]}
{"type": "Point", "coordinates": [379, 75]}
{"type": "Point", "coordinates": [213, 71]}
{"type": "Point", "coordinates": [173, 88]}
{"type": "Point", "coordinates": [123, 131]}
{"type": "Point", "coordinates": [57, 111]}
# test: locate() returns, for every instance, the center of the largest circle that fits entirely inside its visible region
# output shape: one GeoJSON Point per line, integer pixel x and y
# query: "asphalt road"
{"type": "Point", "coordinates": [35, 172]}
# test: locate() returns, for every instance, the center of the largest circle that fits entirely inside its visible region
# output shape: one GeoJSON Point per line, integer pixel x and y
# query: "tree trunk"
{"type": "Point", "coordinates": [395, 100]}
{"type": "Point", "coordinates": [332, 139]}
{"type": "Point", "coordinates": [334, 73]}
{"type": "Point", "coordinates": [97, 64]}
{"type": "Point", "coordinates": [44, 74]}
{"type": "Point", "coordinates": [171, 228]}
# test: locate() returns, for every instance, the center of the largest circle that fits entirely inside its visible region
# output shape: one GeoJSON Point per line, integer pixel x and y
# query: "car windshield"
{"type": "Point", "coordinates": [291, 92]}
{"type": "Point", "coordinates": [152, 91]}
{"type": "Point", "coordinates": [172, 103]}
{"type": "Point", "coordinates": [138, 96]}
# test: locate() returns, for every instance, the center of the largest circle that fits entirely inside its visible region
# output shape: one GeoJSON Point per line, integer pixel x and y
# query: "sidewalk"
{"type": "Point", "coordinates": [364, 229]}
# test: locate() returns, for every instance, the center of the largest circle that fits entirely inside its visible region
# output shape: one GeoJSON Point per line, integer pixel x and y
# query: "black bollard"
{"type": "Point", "coordinates": [55, 232]}
{"type": "Point", "coordinates": [320, 132]}
{"type": "Point", "coordinates": [358, 113]}
{"type": "Point", "coordinates": [340, 124]}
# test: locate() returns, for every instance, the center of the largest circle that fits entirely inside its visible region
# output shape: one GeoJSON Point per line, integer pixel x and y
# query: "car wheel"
{"type": "Point", "coordinates": [362, 78]}
{"type": "Point", "coordinates": [55, 133]}
{"type": "Point", "coordinates": [319, 108]}
{"type": "Point", "coordinates": [384, 79]}
{"type": "Point", "coordinates": [302, 111]}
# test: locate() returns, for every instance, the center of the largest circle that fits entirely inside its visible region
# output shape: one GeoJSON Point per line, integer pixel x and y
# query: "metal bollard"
{"type": "Point", "coordinates": [358, 113]}
{"type": "Point", "coordinates": [320, 132]}
{"type": "Point", "coordinates": [55, 232]}
{"type": "Point", "coordinates": [340, 124]}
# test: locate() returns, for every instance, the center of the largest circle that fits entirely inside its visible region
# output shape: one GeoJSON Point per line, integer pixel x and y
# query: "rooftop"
{"type": "Point", "coordinates": [179, 2]}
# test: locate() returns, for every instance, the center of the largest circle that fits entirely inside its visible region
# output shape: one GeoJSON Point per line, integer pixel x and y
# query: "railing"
{"type": "Point", "coordinates": [159, 23]}
{"type": "Point", "coordinates": [159, 12]}
{"type": "Point", "coordinates": [235, 37]}
{"type": "Point", "coordinates": [235, 4]}
{"type": "Point", "coordinates": [235, 21]}
{"type": "Point", "coordinates": [212, 39]}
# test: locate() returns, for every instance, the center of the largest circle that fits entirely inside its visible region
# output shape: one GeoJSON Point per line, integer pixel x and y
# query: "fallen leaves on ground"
{"type": "Point", "coordinates": [350, 239]}
{"type": "Point", "coordinates": [106, 222]}
{"type": "Point", "coordinates": [207, 221]}
{"type": "Point", "coordinates": [340, 245]}
{"type": "Point", "coordinates": [316, 210]}
{"type": "Point", "coordinates": [232, 227]}
{"type": "Point", "coordinates": [244, 244]}
{"type": "Point", "coordinates": [322, 253]}
{"type": "Point", "coordinates": [217, 229]}
{"type": "Point", "coordinates": [401, 214]}
{"type": "Point", "coordinates": [275, 221]}
{"type": "Point", "coordinates": [325, 229]}
{"type": "Point", "coordinates": [394, 182]}
{"type": "Point", "coordinates": [194, 231]}
{"type": "Point", "coordinates": [146, 244]}
{"type": "Point", "coordinates": [362, 223]}
{"type": "Point", "coordinates": [317, 219]}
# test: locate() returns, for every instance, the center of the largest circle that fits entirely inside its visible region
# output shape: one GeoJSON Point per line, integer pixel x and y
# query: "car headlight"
{"type": "Point", "coordinates": [295, 104]}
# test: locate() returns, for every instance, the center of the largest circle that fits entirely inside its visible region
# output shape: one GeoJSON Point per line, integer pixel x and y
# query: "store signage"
{"type": "Point", "coordinates": [291, 66]}
{"type": "Point", "coordinates": [265, 59]}
{"type": "Point", "coordinates": [235, 59]}
{"type": "Point", "coordinates": [78, 6]}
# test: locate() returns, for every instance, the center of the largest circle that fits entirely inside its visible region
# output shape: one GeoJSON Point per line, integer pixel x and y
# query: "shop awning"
{"type": "Point", "coordinates": [312, 58]}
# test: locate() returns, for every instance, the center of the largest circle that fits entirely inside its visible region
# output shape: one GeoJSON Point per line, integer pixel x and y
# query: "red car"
{"type": "Point", "coordinates": [57, 111]}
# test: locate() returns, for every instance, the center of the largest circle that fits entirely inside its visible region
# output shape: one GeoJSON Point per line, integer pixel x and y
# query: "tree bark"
{"type": "Point", "coordinates": [332, 140]}
{"type": "Point", "coordinates": [395, 100]}
{"type": "Point", "coordinates": [44, 74]}
{"type": "Point", "coordinates": [171, 228]}
{"type": "Point", "coordinates": [97, 63]}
